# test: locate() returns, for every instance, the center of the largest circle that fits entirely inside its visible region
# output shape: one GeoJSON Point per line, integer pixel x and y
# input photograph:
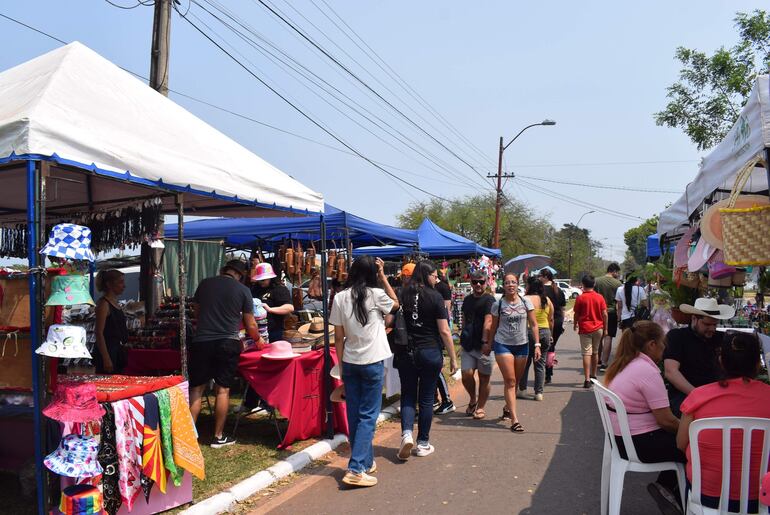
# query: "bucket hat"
{"type": "Point", "coordinates": [75, 457]}
{"type": "Point", "coordinates": [74, 402]}
{"type": "Point", "coordinates": [69, 241]}
{"type": "Point", "coordinates": [708, 307]}
{"type": "Point", "coordinates": [263, 271]}
{"type": "Point", "coordinates": [81, 500]}
{"type": "Point", "coordinates": [65, 341]}
{"type": "Point", "coordinates": [701, 255]}
{"type": "Point", "coordinates": [280, 350]}
{"type": "Point", "coordinates": [407, 270]}
{"type": "Point", "coordinates": [711, 222]}
{"type": "Point", "coordinates": [69, 290]}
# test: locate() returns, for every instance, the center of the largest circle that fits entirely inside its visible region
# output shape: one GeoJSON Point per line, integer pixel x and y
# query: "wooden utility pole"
{"type": "Point", "coordinates": [499, 198]}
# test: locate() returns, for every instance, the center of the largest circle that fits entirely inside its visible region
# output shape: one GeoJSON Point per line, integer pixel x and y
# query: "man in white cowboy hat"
{"type": "Point", "coordinates": [691, 356]}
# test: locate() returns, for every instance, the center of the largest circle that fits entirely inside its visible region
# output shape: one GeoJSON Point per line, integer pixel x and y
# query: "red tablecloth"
{"type": "Point", "coordinates": [143, 362]}
{"type": "Point", "coordinates": [296, 388]}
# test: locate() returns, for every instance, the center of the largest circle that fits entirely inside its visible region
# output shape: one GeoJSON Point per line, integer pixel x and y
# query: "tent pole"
{"type": "Point", "coordinates": [767, 168]}
{"type": "Point", "coordinates": [327, 350]}
{"type": "Point", "coordinates": [35, 318]}
{"type": "Point", "coordinates": [182, 283]}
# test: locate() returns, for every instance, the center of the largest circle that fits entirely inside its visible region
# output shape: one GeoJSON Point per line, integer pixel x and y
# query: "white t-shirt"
{"type": "Point", "coordinates": [637, 296]}
{"type": "Point", "coordinates": [363, 344]}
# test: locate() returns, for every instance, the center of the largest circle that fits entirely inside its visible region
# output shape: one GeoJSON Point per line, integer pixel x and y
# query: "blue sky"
{"type": "Point", "coordinates": [599, 69]}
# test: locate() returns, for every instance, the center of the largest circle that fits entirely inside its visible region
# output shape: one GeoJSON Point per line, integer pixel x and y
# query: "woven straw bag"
{"type": "Point", "coordinates": [746, 232]}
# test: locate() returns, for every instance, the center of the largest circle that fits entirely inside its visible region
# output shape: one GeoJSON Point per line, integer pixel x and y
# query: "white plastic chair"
{"type": "Point", "coordinates": [614, 467]}
{"type": "Point", "coordinates": [746, 426]}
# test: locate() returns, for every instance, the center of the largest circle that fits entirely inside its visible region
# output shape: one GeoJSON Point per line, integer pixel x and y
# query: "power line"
{"type": "Point", "coordinates": [14, 20]}
{"type": "Point", "coordinates": [599, 186]}
{"type": "Point", "coordinates": [606, 163]}
{"type": "Point", "coordinates": [138, 3]}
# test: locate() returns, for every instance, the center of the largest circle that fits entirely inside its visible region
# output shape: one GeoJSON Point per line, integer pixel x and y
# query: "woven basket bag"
{"type": "Point", "coordinates": [746, 231]}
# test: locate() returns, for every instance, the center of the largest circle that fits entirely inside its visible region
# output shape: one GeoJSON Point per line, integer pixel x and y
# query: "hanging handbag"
{"type": "Point", "coordinates": [745, 231]}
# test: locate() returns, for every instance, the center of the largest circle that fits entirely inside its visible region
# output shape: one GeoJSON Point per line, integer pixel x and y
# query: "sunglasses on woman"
{"type": "Point", "coordinates": [477, 282]}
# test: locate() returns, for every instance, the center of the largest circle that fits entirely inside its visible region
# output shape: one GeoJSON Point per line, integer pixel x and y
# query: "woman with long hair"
{"type": "Point", "coordinates": [111, 330]}
{"type": "Point", "coordinates": [510, 315]}
{"type": "Point", "coordinates": [629, 297]}
{"type": "Point", "coordinates": [420, 364]}
{"type": "Point", "coordinates": [539, 336]}
{"type": "Point", "coordinates": [737, 394]}
{"type": "Point", "coordinates": [358, 316]}
{"type": "Point", "coordinates": [634, 376]}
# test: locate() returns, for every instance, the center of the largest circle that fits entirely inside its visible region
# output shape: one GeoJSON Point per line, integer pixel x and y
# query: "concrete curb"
{"type": "Point", "coordinates": [225, 501]}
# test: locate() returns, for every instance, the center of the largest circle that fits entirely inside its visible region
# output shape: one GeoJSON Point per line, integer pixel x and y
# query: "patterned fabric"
{"type": "Point", "coordinates": [164, 408]}
{"type": "Point", "coordinates": [77, 456]}
{"type": "Point", "coordinates": [81, 500]}
{"type": "Point", "coordinates": [116, 387]}
{"type": "Point", "coordinates": [187, 453]}
{"type": "Point", "coordinates": [69, 241]}
{"type": "Point", "coordinates": [108, 459]}
{"type": "Point", "coordinates": [128, 458]}
{"type": "Point", "coordinates": [152, 453]}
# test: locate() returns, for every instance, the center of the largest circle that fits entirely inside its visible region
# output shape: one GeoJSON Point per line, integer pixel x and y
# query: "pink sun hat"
{"type": "Point", "coordinates": [701, 255]}
{"type": "Point", "coordinates": [280, 350]}
{"type": "Point", "coordinates": [74, 403]}
{"type": "Point", "coordinates": [263, 271]}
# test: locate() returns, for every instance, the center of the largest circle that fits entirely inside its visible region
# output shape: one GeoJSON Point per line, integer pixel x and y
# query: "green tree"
{"type": "Point", "coordinates": [706, 100]}
{"type": "Point", "coordinates": [636, 241]}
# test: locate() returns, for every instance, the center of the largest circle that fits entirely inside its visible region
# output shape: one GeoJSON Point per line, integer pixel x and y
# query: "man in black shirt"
{"type": "Point", "coordinates": [691, 358]}
{"type": "Point", "coordinates": [220, 304]}
{"type": "Point", "coordinates": [559, 300]}
{"type": "Point", "coordinates": [476, 344]}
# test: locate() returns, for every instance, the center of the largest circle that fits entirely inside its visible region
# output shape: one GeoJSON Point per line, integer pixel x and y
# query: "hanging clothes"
{"type": "Point", "coordinates": [164, 408]}
{"type": "Point", "coordinates": [128, 459]}
{"type": "Point", "coordinates": [108, 459]}
{"type": "Point", "coordinates": [152, 452]}
{"type": "Point", "coordinates": [187, 453]}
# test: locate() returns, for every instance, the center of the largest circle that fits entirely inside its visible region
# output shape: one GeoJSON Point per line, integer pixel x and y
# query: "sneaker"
{"type": "Point", "coordinates": [424, 449]}
{"type": "Point", "coordinates": [444, 408]}
{"type": "Point", "coordinates": [587, 384]}
{"type": "Point", "coordinates": [520, 394]}
{"type": "Point", "coordinates": [223, 441]}
{"type": "Point", "coordinates": [436, 404]}
{"type": "Point", "coordinates": [407, 443]}
{"type": "Point", "coordinates": [373, 468]}
{"type": "Point", "coordinates": [666, 501]}
{"type": "Point", "coordinates": [538, 396]}
{"type": "Point", "coordinates": [362, 479]}
{"type": "Point", "coordinates": [548, 379]}
{"type": "Point", "coordinates": [602, 367]}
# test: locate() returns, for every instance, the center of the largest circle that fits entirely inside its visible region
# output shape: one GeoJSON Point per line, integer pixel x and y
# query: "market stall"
{"type": "Point", "coordinates": [86, 143]}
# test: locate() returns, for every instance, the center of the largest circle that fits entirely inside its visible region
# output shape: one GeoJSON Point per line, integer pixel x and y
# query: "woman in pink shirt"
{"type": "Point", "coordinates": [739, 394]}
{"type": "Point", "coordinates": [635, 377]}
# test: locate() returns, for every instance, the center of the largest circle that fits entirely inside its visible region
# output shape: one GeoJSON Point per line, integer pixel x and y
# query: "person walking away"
{"type": "Point", "coordinates": [634, 376]}
{"type": "Point", "coordinates": [446, 405]}
{"type": "Point", "coordinates": [359, 326]}
{"type": "Point", "coordinates": [736, 394]}
{"type": "Point", "coordinates": [267, 287]}
{"type": "Point", "coordinates": [420, 364]}
{"type": "Point", "coordinates": [510, 316]}
{"type": "Point", "coordinates": [559, 301]}
{"type": "Point", "coordinates": [477, 348]}
{"type": "Point", "coordinates": [607, 286]}
{"type": "Point", "coordinates": [539, 337]}
{"type": "Point", "coordinates": [591, 325]}
{"type": "Point", "coordinates": [691, 357]}
{"type": "Point", "coordinates": [627, 298]}
{"type": "Point", "coordinates": [220, 304]}
{"type": "Point", "coordinates": [111, 330]}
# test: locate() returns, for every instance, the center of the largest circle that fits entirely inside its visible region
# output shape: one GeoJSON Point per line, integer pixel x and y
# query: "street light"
{"type": "Point", "coordinates": [569, 259]}
{"type": "Point", "coordinates": [498, 201]}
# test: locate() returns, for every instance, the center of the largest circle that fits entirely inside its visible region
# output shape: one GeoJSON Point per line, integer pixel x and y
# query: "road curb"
{"type": "Point", "coordinates": [224, 502]}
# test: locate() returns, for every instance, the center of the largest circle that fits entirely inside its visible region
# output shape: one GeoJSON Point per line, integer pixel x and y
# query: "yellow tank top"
{"type": "Point", "coordinates": [541, 314]}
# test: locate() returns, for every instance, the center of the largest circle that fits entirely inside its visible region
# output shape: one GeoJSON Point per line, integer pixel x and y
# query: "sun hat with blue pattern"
{"type": "Point", "coordinates": [69, 241]}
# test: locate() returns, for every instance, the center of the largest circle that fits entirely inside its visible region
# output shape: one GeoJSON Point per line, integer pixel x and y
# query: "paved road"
{"type": "Point", "coordinates": [480, 466]}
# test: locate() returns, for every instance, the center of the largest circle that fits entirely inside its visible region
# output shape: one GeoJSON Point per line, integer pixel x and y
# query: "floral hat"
{"type": "Point", "coordinates": [75, 457]}
{"type": "Point", "coordinates": [65, 341]}
{"type": "Point", "coordinates": [74, 402]}
{"type": "Point", "coordinates": [69, 290]}
{"type": "Point", "coordinates": [69, 241]}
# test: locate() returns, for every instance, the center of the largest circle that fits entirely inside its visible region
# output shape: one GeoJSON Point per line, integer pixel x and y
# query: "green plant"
{"type": "Point", "coordinates": [664, 276]}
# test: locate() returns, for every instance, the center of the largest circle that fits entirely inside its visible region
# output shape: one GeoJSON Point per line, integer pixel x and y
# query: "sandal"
{"type": "Point", "coordinates": [479, 414]}
{"type": "Point", "coordinates": [516, 427]}
{"type": "Point", "coordinates": [471, 409]}
{"type": "Point", "coordinates": [506, 414]}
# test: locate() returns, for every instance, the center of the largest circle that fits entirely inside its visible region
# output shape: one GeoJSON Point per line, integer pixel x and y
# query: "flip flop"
{"type": "Point", "coordinates": [516, 427]}
{"type": "Point", "coordinates": [506, 414]}
{"type": "Point", "coordinates": [479, 414]}
{"type": "Point", "coordinates": [471, 409]}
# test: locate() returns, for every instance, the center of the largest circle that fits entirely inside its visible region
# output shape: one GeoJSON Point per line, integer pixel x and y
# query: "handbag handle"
{"type": "Point", "coordinates": [740, 180]}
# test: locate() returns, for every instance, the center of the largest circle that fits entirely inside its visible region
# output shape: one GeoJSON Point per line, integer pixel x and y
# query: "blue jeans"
{"type": "Point", "coordinates": [418, 384]}
{"type": "Point", "coordinates": [363, 396]}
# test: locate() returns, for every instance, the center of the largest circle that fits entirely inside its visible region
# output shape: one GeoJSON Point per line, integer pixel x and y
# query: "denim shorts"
{"type": "Point", "coordinates": [518, 351]}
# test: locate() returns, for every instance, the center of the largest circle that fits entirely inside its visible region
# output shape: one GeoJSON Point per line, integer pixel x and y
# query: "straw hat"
{"type": "Point", "coordinates": [707, 307]}
{"type": "Point", "coordinates": [314, 330]}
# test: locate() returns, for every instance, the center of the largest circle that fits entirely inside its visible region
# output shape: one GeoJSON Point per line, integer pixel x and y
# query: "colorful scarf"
{"type": "Point", "coordinates": [128, 459]}
{"type": "Point", "coordinates": [152, 452]}
{"type": "Point", "coordinates": [164, 408]}
{"type": "Point", "coordinates": [187, 453]}
{"type": "Point", "coordinates": [108, 459]}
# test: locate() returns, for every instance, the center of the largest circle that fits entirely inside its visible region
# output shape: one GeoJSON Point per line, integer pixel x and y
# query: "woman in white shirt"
{"type": "Point", "coordinates": [358, 314]}
{"type": "Point", "coordinates": [629, 297]}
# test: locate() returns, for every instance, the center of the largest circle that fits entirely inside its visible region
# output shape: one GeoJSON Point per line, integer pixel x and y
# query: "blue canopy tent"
{"type": "Point", "coordinates": [434, 241]}
{"type": "Point", "coordinates": [653, 247]}
{"type": "Point", "coordinates": [266, 232]}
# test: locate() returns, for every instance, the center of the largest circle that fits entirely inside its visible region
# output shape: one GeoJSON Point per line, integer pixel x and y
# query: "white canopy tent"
{"type": "Point", "coordinates": [746, 143]}
{"type": "Point", "coordinates": [74, 109]}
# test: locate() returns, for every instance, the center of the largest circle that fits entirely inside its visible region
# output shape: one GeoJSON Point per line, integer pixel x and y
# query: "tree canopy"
{"type": "Point", "coordinates": [707, 99]}
{"type": "Point", "coordinates": [636, 241]}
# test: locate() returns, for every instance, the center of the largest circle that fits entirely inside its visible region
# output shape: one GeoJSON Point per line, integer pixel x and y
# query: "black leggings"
{"type": "Point", "coordinates": [655, 447]}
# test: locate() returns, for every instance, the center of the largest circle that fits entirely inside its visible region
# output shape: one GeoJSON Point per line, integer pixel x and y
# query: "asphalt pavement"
{"type": "Point", "coordinates": [480, 466]}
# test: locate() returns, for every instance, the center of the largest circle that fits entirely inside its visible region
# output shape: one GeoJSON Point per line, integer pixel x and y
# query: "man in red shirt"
{"type": "Point", "coordinates": [591, 324]}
